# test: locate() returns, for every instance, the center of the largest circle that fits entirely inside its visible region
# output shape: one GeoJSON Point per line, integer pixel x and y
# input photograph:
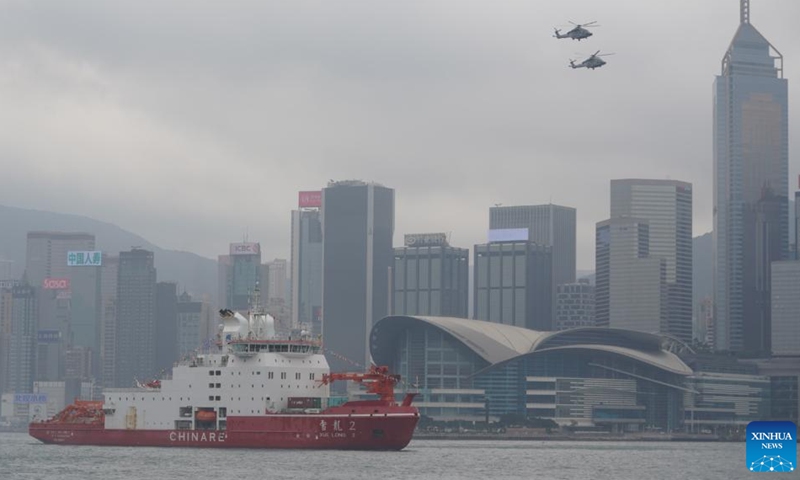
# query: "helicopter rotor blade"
{"type": "Point", "coordinates": [590, 23]}
{"type": "Point", "coordinates": [604, 55]}
{"type": "Point", "coordinates": [595, 53]}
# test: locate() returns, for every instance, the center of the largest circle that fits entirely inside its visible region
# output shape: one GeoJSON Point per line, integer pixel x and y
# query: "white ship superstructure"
{"type": "Point", "coordinates": [255, 373]}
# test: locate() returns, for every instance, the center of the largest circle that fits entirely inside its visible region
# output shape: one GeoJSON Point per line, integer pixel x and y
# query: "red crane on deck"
{"type": "Point", "coordinates": [377, 379]}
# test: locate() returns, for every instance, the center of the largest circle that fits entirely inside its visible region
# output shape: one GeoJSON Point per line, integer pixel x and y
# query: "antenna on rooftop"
{"type": "Point", "coordinates": [744, 11]}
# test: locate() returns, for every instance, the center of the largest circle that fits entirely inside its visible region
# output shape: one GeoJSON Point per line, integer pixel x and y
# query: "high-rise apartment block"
{"type": "Point", "coordinates": [358, 225]}
{"type": "Point", "coordinates": [750, 187]}
{"type": "Point", "coordinates": [307, 263]}
{"type": "Point", "coordinates": [429, 277]}
{"type": "Point", "coordinates": [513, 283]}
{"type": "Point", "coordinates": [666, 206]}
{"type": "Point", "coordinates": [630, 285]}
{"type": "Point", "coordinates": [135, 339]}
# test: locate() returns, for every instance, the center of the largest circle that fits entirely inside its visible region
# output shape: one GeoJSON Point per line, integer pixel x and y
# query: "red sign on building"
{"type": "Point", "coordinates": [56, 284]}
{"type": "Point", "coordinates": [310, 199]}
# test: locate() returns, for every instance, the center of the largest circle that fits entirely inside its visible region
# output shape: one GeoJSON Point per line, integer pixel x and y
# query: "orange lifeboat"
{"type": "Point", "coordinates": [205, 416]}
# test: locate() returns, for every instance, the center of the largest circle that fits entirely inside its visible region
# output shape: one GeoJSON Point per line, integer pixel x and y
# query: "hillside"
{"type": "Point", "coordinates": [196, 274]}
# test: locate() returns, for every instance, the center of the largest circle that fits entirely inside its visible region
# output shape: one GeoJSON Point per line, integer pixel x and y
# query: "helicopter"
{"type": "Point", "coordinates": [592, 62]}
{"type": "Point", "coordinates": [577, 33]}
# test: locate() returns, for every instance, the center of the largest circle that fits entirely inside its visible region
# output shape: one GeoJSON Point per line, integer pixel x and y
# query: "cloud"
{"type": "Point", "coordinates": [192, 122]}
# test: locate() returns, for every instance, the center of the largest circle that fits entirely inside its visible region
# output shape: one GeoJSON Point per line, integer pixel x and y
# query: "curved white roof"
{"type": "Point", "coordinates": [498, 343]}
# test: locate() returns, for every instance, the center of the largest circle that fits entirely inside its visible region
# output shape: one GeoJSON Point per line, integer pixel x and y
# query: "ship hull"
{"type": "Point", "coordinates": [375, 431]}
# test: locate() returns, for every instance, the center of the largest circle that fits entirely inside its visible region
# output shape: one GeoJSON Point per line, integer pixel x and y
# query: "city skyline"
{"type": "Point", "coordinates": [463, 84]}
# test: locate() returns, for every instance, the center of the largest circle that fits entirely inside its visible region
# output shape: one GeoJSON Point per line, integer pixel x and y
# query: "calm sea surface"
{"type": "Point", "coordinates": [22, 457]}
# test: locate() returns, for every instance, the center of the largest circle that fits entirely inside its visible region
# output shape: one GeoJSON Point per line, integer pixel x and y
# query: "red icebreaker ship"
{"type": "Point", "coordinates": [258, 391]}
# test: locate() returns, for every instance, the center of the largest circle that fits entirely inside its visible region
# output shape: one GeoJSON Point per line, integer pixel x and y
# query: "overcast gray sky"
{"type": "Point", "coordinates": [190, 122]}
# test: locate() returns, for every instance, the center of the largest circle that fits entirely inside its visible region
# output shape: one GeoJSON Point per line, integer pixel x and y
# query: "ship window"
{"type": "Point", "coordinates": [218, 385]}
{"type": "Point", "coordinates": [216, 398]}
{"type": "Point", "coordinates": [211, 372]}
{"type": "Point", "coordinates": [283, 375]}
{"type": "Point", "coordinates": [297, 376]}
{"type": "Point", "coordinates": [269, 375]}
{"type": "Point", "coordinates": [219, 372]}
{"type": "Point", "coordinates": [211, 398]}
{"type": "Point", "coordinates": [311, 376]}
{"type": "Point", "coordinates": [259, 372]}
{"type": "Point", "coordinates": [223, 412]}
{"type": "Point", "coordinates": [210, 385]}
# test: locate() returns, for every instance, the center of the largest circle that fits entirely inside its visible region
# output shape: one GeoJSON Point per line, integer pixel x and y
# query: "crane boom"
{"type": "Point", "coordinates": [377, 380]}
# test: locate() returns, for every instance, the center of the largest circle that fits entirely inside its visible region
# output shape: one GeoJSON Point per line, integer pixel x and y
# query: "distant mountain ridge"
{"type": "Point", "coordinates": [196, 274]}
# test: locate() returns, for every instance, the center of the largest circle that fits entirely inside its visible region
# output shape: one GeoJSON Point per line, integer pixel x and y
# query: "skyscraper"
{"type": "Point", "coordinates": [238, 273]}
{"type": "Point", "coordinates": [188, 324]}
{"type": "Point", "coordinates": [166, 325]}
{"type": "Point", "coordinates": [109, 275]}
{"type": "Point", "coordinates": [358, 225]}
{"type": "Point", "coordinates": [797, 221]}
{"type": "Point", "coordinates": [666, 205]}
{"type": "Point", "coordinates": [750, 186]}
{"type": "Point", "coordinates": [22, 324]}
{"type": "Point", "coordinates": [513, 284]}
{"type": "Point", "coordinates": [429, 277]}
{"type": "Point", "coordinates": [631, 289]}
{"type": "Point", "coordinates": [307, 268]}
{"type": "Point", "coordinates": [785, 293]}
{"type": "Point", "coordinates": [552, 225]}
{"type": "Point", "coordinates": [135, 349]}
{"type": "Point", "coordinates": [70, 284]}
{"type": "Point", "coordinates": [276, 288]}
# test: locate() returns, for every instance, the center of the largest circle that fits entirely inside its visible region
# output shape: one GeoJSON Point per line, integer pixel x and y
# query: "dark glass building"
{"type": "Point", "coordinates": [307, 269]}
{"type": "Point", "coordinates": [239, 272]}
{"type": "Point", "coordinates": [135, 339]}
{"type": "Point", "coordinates": [751, 211]}
{"type": "Point", "coordinates": [429, 277]}
{"type": "Point", "coordinates": [513, 284]}
{"type": "Point", "coordinates": [358, 226]}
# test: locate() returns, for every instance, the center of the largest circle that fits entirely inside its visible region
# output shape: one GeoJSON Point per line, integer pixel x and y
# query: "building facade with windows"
{"type": "Point", "coordinates": [512, 284]}
{"type": "Point", "coordinates": [618, 380]}
{"type": "Point", "coordinates": [430, 277]}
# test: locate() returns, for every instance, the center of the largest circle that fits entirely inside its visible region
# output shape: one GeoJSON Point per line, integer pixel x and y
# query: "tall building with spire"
{"type": "Point", "coordinates": [750, 187]}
